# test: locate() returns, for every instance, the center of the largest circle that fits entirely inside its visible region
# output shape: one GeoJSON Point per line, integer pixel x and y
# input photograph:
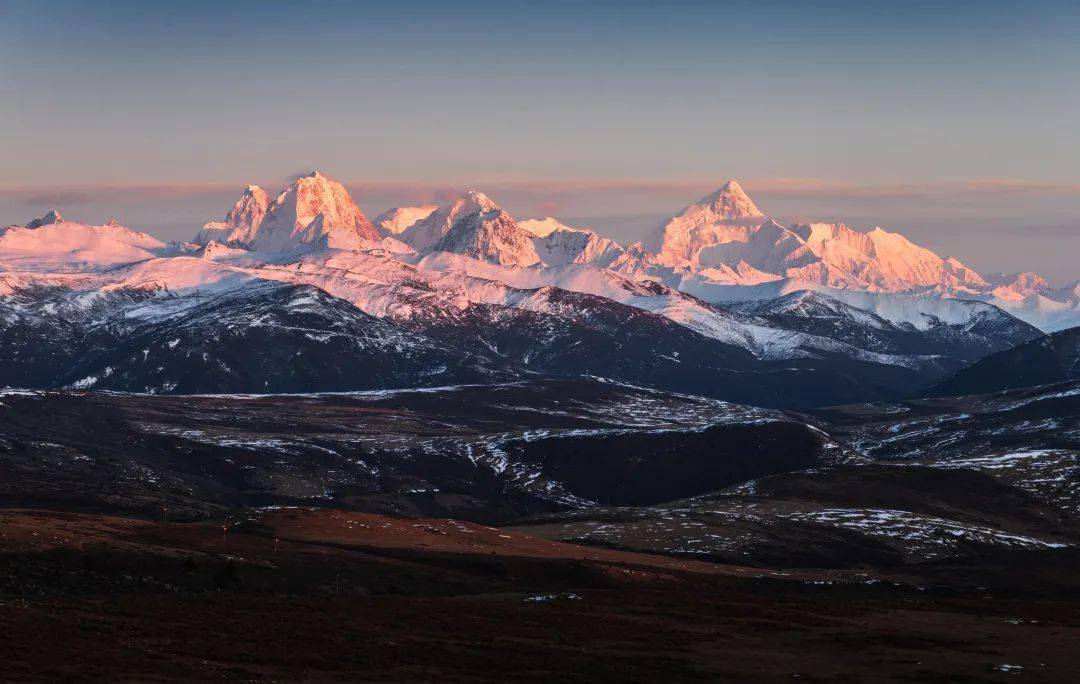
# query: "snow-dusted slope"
{"type": "Point", "coordinates": [977, 329]}
{"type": "Point", "coordinates": [255, 336]}
{"type": "Point", "coordinates": [919, 311]}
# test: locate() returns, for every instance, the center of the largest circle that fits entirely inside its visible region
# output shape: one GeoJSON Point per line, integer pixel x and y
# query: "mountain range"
{"type": "Point", "coordinates": [303, 293]}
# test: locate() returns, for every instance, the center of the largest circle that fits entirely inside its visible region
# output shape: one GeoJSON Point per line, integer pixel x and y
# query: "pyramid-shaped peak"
{"type": "Point", "coordinates": [732, 187]}
{"type": "Point", "coordinates": [731, 201]}
{"type": "Point", "coordinates": [47, 220]}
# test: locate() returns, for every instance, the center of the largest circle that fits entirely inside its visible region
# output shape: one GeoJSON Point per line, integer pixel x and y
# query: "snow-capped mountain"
{"type": "Point", "coordinates": [313, 210]}
{"type": "Point", "coordinates": [259, 336]}
{"type": "Point", "coordinates": [723, 245]}
{"type": "Point", "coordinates": [1017, 286]}
{"type": "Point", "coordinates": [815, 313]}
{"type": "Point", "coordinates": [726, 237]}
{"type": "Point", "coordinates": [489, 235]}
{"type": "Point", "coordinates": [484, 294]}
{"type": "Point", "coordinates": [720, 218]}
{"type": "Point", "coordinates": [558, 244]}
{"type": "Point", "coordinates": [51, 243]}
{"type": "Point", "coordinates": [885, 262]}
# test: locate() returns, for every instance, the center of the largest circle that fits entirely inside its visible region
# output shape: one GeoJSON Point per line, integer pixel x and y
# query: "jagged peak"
{"type": "Point", "coordinates": [425, 232]}
{"type": "Point", "coordinates": [310, 208]}
{"type": "Point", "coordinates": [490, 235]}
{"type": "Point", "coordinates": [313, 205]}
{"type": "Point", "coordinates": [53, 216]}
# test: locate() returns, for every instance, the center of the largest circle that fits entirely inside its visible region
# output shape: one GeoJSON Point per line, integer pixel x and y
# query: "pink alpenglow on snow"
{"type": "Point", "coordinates": [314, 209]}
{"type": "Point", "coordinates": [720, 249]}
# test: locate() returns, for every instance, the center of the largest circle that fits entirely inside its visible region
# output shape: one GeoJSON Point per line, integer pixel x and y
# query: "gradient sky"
{"type": "Point", "coordinates": [955, 122]}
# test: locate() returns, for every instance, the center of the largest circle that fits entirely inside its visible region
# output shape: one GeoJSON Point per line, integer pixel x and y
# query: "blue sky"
{"type": "Point", "coordinates": [846, 94]}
